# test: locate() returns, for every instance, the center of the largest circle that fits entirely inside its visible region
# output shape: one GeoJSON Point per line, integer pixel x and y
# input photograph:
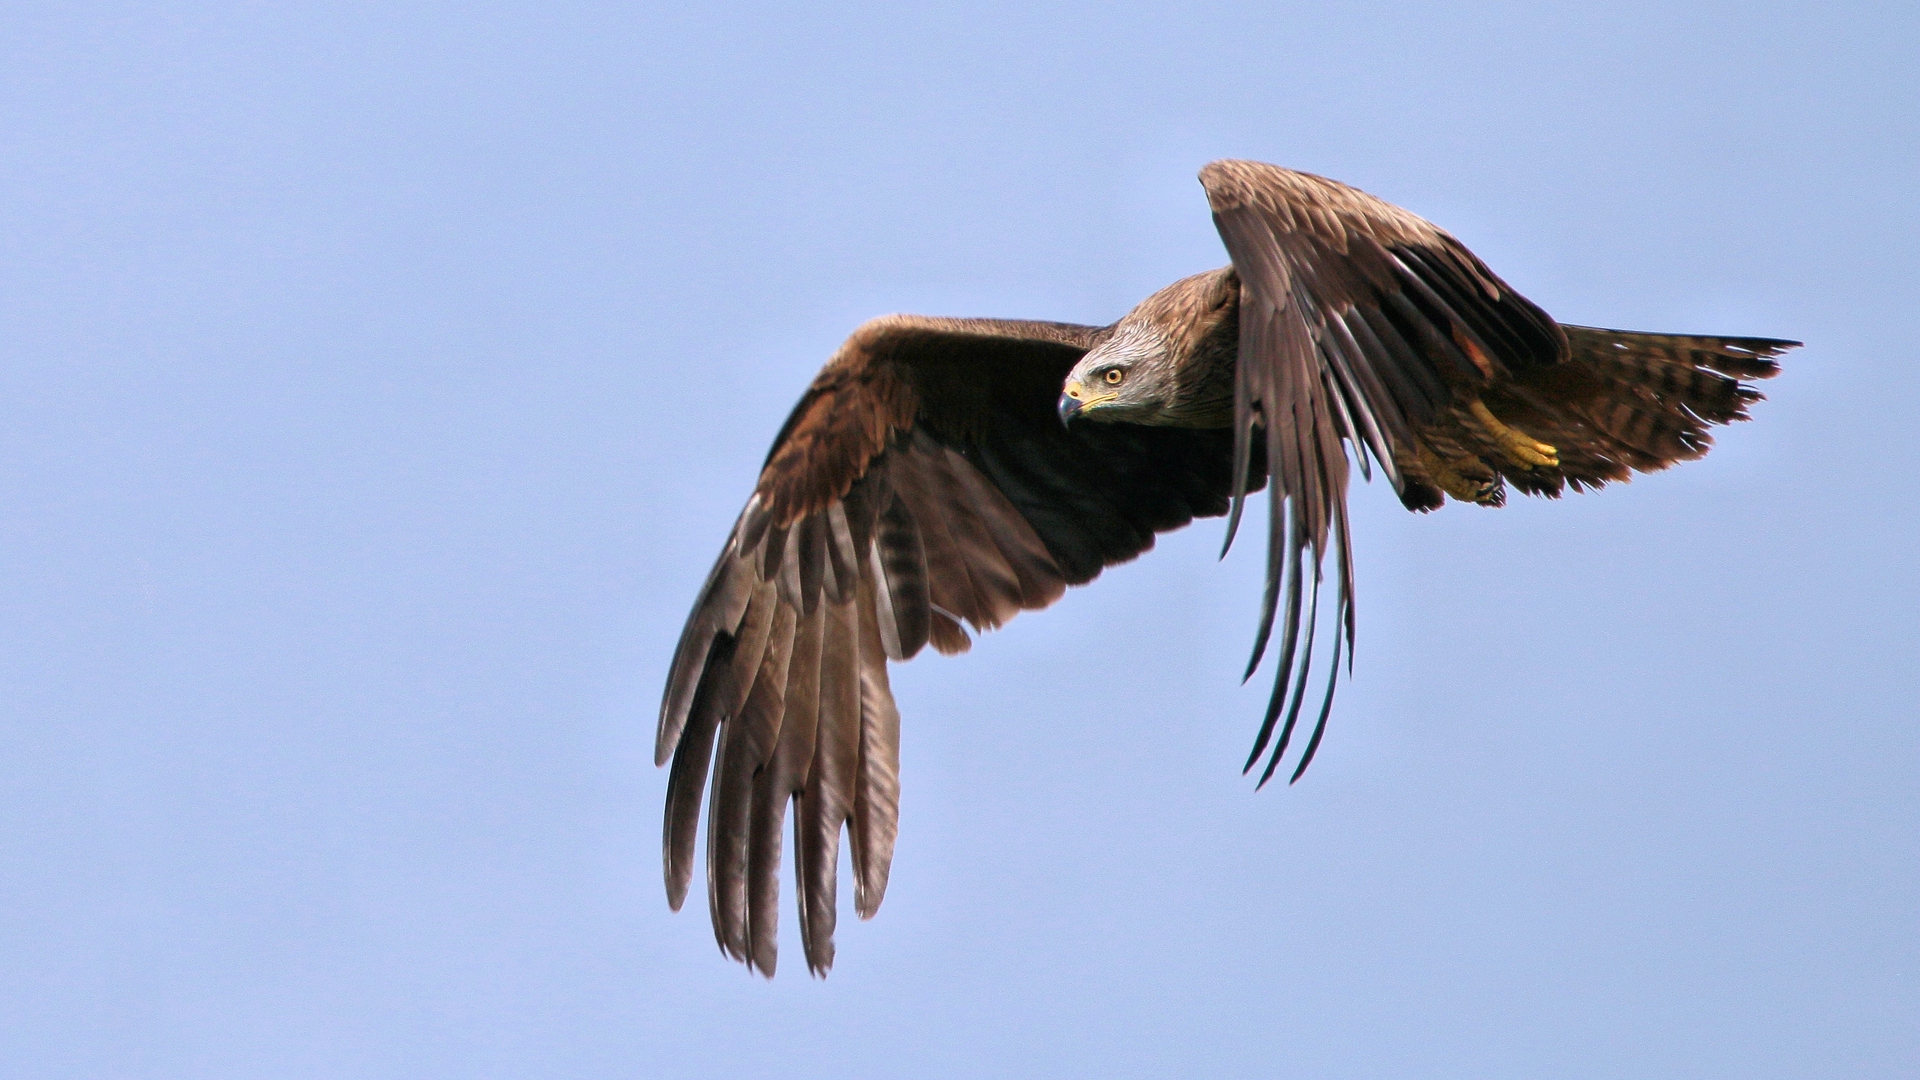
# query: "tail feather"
{"type": "Point", "coordinates": [1625, 402]}
{"type": "Point", "coordinates": [1744, 358]}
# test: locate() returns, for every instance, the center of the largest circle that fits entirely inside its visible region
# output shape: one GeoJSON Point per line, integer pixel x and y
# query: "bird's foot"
{"type": "Point", "coordinates": [1467, 478]}
{"type": "Point", "coordinates": [1519, 449]}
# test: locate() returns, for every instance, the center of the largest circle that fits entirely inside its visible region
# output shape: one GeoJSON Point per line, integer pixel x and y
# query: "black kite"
{"type": "Point", "coordinates": [942, 472]}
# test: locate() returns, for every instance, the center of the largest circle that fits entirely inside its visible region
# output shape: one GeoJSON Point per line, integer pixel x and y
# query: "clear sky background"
{"type": "Point", "coordinates": [378, 381]}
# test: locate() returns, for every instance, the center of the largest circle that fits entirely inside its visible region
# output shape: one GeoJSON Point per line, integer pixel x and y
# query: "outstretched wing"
{"type": "Point", "coordinates": [1360, 322]}
{"type": "Point", "coordinates": [923, 482]}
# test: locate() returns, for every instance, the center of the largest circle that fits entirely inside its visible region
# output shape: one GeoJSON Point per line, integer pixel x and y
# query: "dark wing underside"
{"type": "Point", "coordinates": [924, 482]}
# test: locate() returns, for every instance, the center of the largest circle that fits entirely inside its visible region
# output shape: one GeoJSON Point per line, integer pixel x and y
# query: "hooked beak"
{"type": "Point", "coordinates": [1070, 401]}
{"type": "Point", "coordinates": [1075, 400]}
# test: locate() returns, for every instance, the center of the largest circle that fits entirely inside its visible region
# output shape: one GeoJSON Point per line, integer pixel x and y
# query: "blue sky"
{"type": "Point", "coordinates": [378, 382]}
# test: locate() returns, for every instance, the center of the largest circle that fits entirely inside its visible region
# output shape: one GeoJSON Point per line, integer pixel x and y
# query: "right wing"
{"type": "Point", "coordinates": [923, 481]}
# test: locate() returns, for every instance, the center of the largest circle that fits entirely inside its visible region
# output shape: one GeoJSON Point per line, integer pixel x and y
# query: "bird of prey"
{"type": "Point", "coordinates": [942, 473]}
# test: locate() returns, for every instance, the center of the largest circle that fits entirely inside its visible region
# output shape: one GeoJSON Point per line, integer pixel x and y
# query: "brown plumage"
{"type": "Point", "coordinates": [942, 474]}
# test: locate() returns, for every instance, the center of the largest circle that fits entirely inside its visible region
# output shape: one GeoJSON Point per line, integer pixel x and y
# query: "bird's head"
{"type": "Point", "coordinates": [1123, 379]}
{"type": "Point", "coordinates": [1168, 362]}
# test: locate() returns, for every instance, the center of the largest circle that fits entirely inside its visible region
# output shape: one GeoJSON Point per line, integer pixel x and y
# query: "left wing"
{"type": "Point", "coordinates": [1362, 323]}
{"type": "Point", "coordinates": [1358, 321]}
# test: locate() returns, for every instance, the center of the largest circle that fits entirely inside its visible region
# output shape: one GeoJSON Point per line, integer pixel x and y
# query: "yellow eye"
{"type": "Point", "coordinates": [1113, 376]}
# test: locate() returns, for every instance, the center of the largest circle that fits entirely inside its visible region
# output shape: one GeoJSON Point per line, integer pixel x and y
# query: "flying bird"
{"type": "Point", "coordinates": [943, 474]}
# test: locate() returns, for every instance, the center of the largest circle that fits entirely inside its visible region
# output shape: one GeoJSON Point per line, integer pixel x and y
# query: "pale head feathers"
{"type": "Point", "coordinates": [1169, 361]}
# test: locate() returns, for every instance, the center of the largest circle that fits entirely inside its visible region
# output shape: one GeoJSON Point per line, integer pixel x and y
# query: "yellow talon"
{"type": "Point", "coordinates": [1455, 482]}
{"type": "Point", "coordinates": [1522, 450]}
